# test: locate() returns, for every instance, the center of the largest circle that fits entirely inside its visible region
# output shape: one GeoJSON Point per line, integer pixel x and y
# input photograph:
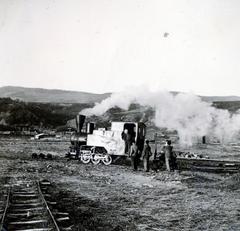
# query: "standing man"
{"type": "Point", "coordinates": [133, 156]}
{"type": "Point", "coordinates": [124, 137]}
{"type": "Point", "coordinates": [168, 151]}
{"type": "Point", "coordinates": [146, 155]}
{"type": "Point", "coordinates": [129, 141]}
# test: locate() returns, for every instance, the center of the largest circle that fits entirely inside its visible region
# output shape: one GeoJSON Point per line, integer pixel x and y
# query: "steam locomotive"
{"type": "Point", "coordinates": [96, 145]}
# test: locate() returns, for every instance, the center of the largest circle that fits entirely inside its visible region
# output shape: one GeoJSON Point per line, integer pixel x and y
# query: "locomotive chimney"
{"type": "Point", "coordinates": [79, 122]}
{"type": "Point", "coordinates": [90, 128]}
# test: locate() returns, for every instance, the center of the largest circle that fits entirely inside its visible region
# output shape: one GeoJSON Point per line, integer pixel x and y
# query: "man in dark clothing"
{"type": "Point", "coordinates": [146, 155]}
{"type": "Point", "coordinates": [133, 156]}
{"type": "Point", "coordinates": [126, 136]}
{"type": "Point", "coordinates": [129, 141]}
{"type": "Point", "coordinates": [168, 151]}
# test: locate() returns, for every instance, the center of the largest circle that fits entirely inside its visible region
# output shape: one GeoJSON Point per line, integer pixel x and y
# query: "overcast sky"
{"type": "Point", "coordinates": [106, 45]}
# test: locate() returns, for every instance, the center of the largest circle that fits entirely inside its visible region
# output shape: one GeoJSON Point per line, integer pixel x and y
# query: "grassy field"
{"type": "Point", "coordinates": [116, 198]}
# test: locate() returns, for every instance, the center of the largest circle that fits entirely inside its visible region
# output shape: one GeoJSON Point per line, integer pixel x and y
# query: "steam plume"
{"type": "Point", "coordinates": [184, 112]}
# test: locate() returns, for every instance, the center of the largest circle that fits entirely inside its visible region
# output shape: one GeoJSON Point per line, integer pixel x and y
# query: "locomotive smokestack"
{"type": "Point", "coordinates": [80, 119]}
{"type": "Point", "coordinates": [90, 128]}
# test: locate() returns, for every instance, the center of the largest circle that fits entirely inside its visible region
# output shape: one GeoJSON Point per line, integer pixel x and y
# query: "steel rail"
{"type": "Point", "coordinates": [5, 210]}
{"type": "Point", "coordinates": [49, 211]}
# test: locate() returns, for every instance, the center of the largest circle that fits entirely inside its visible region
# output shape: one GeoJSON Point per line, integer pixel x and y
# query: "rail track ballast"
{"type": "Point", "coordinates": [24, 207]}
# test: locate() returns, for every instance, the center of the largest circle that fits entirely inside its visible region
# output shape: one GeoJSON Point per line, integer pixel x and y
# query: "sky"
{"type": "Point", "coordinates": [108, 45]}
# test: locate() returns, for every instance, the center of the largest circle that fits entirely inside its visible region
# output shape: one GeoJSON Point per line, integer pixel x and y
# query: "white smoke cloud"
{"type": "Point", "coordinates": [186, 113]}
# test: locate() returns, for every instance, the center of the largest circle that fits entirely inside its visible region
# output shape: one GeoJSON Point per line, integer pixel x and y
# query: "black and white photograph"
{"type": "Point", "coordinates": [119, 115]}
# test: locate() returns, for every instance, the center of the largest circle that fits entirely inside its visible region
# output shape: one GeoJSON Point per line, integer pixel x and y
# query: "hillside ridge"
{"type": "Point", "coordinates": [43, 95]}
{"type": "Point", "coordinates": [50, 95]}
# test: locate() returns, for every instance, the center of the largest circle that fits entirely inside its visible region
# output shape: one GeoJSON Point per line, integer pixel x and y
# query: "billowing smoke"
{"type": "Point", "coordinates": [184, 112]}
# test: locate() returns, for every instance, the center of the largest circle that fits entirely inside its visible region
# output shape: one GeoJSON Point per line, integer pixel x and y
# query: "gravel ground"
{"type": "Point", "coordinates": [115, 198]}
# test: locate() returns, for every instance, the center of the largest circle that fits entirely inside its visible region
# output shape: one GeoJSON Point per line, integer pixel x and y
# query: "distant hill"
{"type": "Point", "coordinates": [50, 95]}
{"type": "Point", "coordinates": [215, 98]}
{"type": "Point", "coordinates": [64, 96]}
{"type": "Point", "coordinates": [220, 98]}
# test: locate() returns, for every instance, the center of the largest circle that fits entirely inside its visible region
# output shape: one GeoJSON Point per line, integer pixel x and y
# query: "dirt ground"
{"type": "Point", "coordinates": [116, 198]}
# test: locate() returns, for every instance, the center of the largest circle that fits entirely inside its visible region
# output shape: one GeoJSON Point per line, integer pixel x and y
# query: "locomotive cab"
{"type": "Point", "coordinates": [113, 140]}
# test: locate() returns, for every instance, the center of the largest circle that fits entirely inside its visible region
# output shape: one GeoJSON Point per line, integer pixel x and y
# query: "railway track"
{"type": "Point", "coordinates": [25, 206]}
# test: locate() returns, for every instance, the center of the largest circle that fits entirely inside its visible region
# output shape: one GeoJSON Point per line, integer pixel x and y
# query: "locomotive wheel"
{"type": "Point", "coordinates": [85, 159]}
{"type": "Point", "coordinates": [107, 160]}
{"type": "Point", "coordinates": [95, 159]}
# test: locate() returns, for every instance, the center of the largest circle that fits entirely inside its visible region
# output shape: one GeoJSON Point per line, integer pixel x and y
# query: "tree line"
{"type": "Point", "coordinates": [16, 112]}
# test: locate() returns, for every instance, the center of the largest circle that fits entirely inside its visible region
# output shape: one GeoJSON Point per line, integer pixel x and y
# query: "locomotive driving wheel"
{"type": "Point", "coordinates": [107, 160]}
{"type": "Point", "coordinates": [96, 158]}
{"type": "Point", "coordinates": [85, 158]}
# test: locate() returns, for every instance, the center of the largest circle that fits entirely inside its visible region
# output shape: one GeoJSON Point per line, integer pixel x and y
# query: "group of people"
{"type": "Point", "coordinates": [136, 155]}
{"type": "Point", "coordinates": [137, 152]}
